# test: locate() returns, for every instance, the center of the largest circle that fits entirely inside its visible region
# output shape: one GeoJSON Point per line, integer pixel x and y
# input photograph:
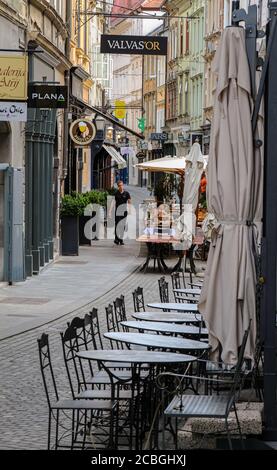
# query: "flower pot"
{"type": "Point", "coordinates": [70, 235]}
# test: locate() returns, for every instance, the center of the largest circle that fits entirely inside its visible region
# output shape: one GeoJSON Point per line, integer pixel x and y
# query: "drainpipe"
{"type": "Point", "coordinates": [67, 84]}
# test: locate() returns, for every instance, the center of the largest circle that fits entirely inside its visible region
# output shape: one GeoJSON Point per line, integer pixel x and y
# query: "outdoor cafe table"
{"type": "Point", "coordinates": [178, 307]}
{"type": "Point", "coordinates": [168, 317]}
{"type": "Point", "coordinates": [188, 291]}
{"type": "Point", "coordinates": [156, 361]}
{"type": "Point", "coordinates": [155, 250]}
{"type": "Point", "coordinates": [165, 327]}
{"type": "Point", "coordinates": [157, 341]}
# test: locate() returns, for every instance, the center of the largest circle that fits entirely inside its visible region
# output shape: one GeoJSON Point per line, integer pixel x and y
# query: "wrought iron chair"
{"type": "Point", "coordinates": [119, 312]}
{"type": "Point", "coordinates": [176, 284]}
{"type": "Point", "coordinates": [138, 299]}
{"type": "Point", "coordinates": [111, 326]}
{"type": "Point", "coordinates": [81, 413]}
{"type": "Point", "coordinates": [163, 291]}
{"type": "Point", "coordinates": [207, 406]}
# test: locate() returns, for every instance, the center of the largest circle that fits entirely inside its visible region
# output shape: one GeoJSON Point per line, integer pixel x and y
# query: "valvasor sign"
{"type": "Point", "coordinates": [146, 45]}
{"type": "Point", "coordinates": [13, 78]}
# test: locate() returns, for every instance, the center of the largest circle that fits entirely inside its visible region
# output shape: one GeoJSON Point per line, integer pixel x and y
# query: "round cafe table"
{"type": "Point", "coordinates": [188, 291]}
{"type": "Point", "coordinates": [150, 395]}
{"type": "Point", "coordinates": [178, 307]}
{"type": "Point", "coordinates": [157, 341]}
{"type": "Point", "coordinates": [168, 317]}
{"type": "Point", "coordinates": [160, 327]}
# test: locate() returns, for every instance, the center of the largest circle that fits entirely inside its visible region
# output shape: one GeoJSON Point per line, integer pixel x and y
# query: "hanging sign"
{"type": "Point", "coordinates": [13, 111]}
{"type": "Point", "coordinates": [120, 109]}
{"type": "Point", "coordinates": [159, 136]}
{"type": "Point", "coordinates": [47, 96]}
{"type": "Point", "coordinates": [82, 132]}
{"type": "Point", "coordinates": [13, 78]}
{"type": "Point", "coordinates": [146, 45]}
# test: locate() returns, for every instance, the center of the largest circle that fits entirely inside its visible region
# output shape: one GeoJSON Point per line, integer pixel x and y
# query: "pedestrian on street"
{"type": "Point", "coordinates": [122, 199]}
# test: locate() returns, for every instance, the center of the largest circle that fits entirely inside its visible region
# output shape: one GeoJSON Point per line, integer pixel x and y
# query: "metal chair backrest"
{"type": "Point", "coordinates": [71, 345]}
{"type": "Point", "coordinates": [77, 323]}
{"type": "Point", "coordinates": [46, 368]}
{"type": "Point", "coordinates": [176, 280]}
{"type": "Point", "coordinates": [138, 299]}
{"type": "Point", "coordinates": [119, 312]}
{"type": "Point", "coordinates": [163, 289]}
{"type": "Point", "coordinates": [95, 327]}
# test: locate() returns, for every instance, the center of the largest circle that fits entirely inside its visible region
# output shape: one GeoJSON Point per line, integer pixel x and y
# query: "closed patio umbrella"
{"type": "Point", "coordinates": [228, 295]}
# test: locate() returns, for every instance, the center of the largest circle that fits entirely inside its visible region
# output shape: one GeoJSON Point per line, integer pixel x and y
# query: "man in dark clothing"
{"type": "Point", "coordinates": [122, 199]}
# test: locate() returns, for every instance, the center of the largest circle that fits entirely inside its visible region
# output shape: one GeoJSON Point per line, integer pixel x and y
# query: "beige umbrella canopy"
{"type": "Point", "coordinates": [176, 165]}
{"type": "Point", "coordinates": [228, 295]}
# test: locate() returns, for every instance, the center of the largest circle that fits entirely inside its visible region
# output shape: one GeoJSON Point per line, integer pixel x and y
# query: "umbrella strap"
{"type": "Point", "coordinates": [235, 222]}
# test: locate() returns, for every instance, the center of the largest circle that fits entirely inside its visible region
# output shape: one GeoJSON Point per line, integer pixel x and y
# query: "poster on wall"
{"type": "Point", "coordinates": [13, 111]}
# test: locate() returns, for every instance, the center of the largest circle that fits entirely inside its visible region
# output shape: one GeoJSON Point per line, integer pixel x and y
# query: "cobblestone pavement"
{"type": "Point", "coordinates": [23, 406]}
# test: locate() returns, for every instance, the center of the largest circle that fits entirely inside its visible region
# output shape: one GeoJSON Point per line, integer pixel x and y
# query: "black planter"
{"type": "Point", "coordinates": [70, 235]}
{"type": "Point", "coordinates": [83, 219]}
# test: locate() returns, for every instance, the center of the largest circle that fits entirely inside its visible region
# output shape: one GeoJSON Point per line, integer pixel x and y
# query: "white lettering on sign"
{"type": "Point", "coordinates": [13, 111]}
{"type": "Point", "coordinates": [134, 45]}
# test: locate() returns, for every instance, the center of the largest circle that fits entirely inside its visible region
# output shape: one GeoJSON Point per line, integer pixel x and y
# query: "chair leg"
{"type": "Point", "coordinates": [228, 434]}
{"type": "Point", "coordinates": [72, 429]}
{"type": "Point", "coordinates": [57, 430]}
{"type": "Point", "coordinates": [49, 430]}
{"type": "Point", "coordinates": [239, 428]}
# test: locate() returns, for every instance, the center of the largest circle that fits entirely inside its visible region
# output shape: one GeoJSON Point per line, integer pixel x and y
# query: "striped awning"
{"type": "Point", "coordinates": [121, 163]}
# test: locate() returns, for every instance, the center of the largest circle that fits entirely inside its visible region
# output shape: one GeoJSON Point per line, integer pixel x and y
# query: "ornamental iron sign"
{"type": "Point", "coordinates": [82, 132]}
{"type": "Point", "coordinates": [146, 45]}
{"type": "Point", "coordinates": [47, 96]}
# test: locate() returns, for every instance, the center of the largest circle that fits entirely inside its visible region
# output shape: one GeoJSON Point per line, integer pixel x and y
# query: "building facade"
{"type": "Point", "coordinates": [13, 26]}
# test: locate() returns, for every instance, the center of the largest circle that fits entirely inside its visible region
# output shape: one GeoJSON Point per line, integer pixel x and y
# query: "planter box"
{"type": "Point", "coordinates": [70, 235]}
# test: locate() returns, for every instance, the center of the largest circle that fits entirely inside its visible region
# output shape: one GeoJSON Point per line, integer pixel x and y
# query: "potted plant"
{"type": "Point", "coordinates": [70, 211]}
{"type": "Point", "coordinates": [93, 197]}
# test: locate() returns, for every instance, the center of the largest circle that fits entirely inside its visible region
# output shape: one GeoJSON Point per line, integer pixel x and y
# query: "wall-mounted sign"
{"type": "Point", "coordinates": [159, 136]}
{"type": "Point", "coordinates": [147, 45]}
{"type": "Point", "coordinates": [47, 96]}
{"type": "Point", "coordinates": [13, 111]}
{"type": "Point", "coordinates": [82, 132]}
{"type": "Point", "coordinates": [13, 78]}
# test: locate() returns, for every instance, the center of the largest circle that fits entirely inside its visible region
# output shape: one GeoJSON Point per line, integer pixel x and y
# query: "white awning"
{"type": "Point", "coordinates": [121, 163]}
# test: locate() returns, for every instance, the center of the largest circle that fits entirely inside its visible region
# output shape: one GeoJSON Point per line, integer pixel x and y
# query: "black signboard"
{"type": "Point", "coordinates": [47, 96]}
{"type": "Point", "coordinates": [146, 45]}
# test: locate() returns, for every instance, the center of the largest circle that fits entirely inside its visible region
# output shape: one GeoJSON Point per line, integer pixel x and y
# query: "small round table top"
{"type": "Point", "coordinates": [157, 341]}
{"type": "Point", "coordinates": [178, 307]}
{"type": "Point", "coordinates": [168, 317]}
{"type": "Point", "coordinates": [188, 291]}
{"type": "Point", "coordinates": [165, 327]}
{"type": "Point", "coordinates": [135, 357]}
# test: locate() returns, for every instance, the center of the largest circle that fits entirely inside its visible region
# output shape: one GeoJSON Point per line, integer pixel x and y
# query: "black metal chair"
{"type": "Point", "coordinates": [82, 415]}
{"type": "Point", "coordinates": [119, 312]}
{"type": "Point", "coordinates": [207, 406]}
{"type": "Point", "coordinates": [95, 329]}
{"type": "Point", "coordinates": [163, 291]}
{"type": "Point", "coordinates": [176, 284]}
{"type": "Point", "coordinates": [138, 299]}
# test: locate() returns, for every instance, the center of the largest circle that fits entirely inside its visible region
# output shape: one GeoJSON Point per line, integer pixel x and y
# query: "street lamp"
{"type": "Point", "coordinates": [109, 132]}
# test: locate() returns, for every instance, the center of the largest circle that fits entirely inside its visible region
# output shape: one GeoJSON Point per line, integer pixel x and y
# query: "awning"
{"type": "Point", "coordinates": [121, 163]}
